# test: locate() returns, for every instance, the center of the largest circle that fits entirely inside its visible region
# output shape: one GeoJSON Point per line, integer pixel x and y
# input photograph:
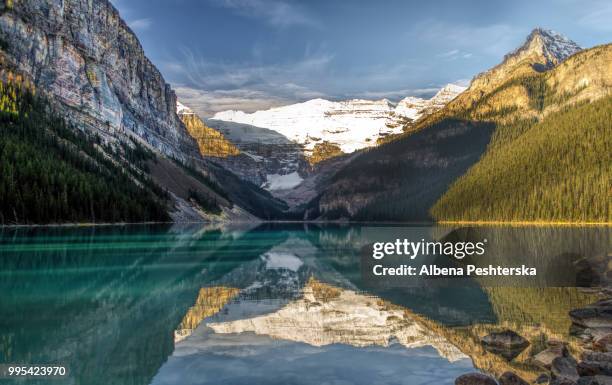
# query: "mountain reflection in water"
{"type": "Point", "coordinates": [274, 304]}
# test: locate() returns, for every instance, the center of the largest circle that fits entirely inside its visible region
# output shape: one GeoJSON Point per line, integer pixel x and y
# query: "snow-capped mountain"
{"type": "Point", "coordinates": [182, 109]}
{"type": "Point", "coordinates": [555, 47]}
{"type": "Point", "coordinates": [542, 50]}
{"type": "Point", "coordinates": [350, 125]}
{"type": "Point", "coordinates": [413, 108]}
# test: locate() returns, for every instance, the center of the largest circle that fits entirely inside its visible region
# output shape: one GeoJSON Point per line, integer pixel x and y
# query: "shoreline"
{"type": "Point", "coordinates": [527, 223]}
{"type": "Point", "coordinates": [438, 223]}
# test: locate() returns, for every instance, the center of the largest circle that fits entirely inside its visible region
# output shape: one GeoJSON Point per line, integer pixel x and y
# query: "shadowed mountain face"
{"type": "Point", "coordinates": [401, 180]}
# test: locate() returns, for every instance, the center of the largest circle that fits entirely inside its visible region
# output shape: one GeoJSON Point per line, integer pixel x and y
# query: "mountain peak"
{"type": "Point", "coordinates": [542, 50]}
{"type": "Point", "coordinates": [549, 46]}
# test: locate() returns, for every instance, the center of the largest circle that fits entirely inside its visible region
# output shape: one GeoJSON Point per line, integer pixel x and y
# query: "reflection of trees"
{"type": "Point", "coordinates": [106, 301]}
{"type": "Point", "coordinates": [551, 314]}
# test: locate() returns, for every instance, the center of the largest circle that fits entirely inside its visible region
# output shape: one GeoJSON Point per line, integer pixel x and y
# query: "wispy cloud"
{"type": "Point", "coordinates": [210, 87]}
{"type": "Point", "coordinates": [206, 74]}
{"type": "Point", "coordinates": [207, 103]}
{"type": "Point", "coordinates": [140, 24]}
{"type": "Point", "coordinates": [400, 94]}
{"type": "Point", "coordinates": [492, 39]}
{"type": "Point", "coordinates": [598, 17]}
{"type": "Point", "coordinates": [454, 54]}
{"type": "Point", "coordinates": [278, 13]}
{"type": "Point", "coordinates": [451, 53]}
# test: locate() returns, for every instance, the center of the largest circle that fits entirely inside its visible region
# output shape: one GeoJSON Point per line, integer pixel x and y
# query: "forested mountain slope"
{"type": "Point", "coordinates": [554, 170]}
{"type": "Point", "coordinates": [53, 173]}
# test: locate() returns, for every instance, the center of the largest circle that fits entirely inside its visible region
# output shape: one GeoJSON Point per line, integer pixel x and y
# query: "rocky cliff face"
{"type": "Point", "coordinates": [266, 158]}
{"type": "Point", "coordinates": [84, 55]}
{"type": "Point", "coordinates": [211, 142]}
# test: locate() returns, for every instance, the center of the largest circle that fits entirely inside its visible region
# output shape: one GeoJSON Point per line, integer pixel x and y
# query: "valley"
{"type": "Point", "coordinates": [527, 141]}
{"type": "Point", "coordinates": [263, 192]}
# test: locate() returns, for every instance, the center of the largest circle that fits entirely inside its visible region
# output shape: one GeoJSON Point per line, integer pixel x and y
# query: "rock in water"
{"type": "Point", "coordinates": [564, 368]}
{"type": "Point", "coordinates": [597, 315]}
{"type": "Point", "coordinates": [542, 379]}
{"type": "Point", "coordinates": [475, 379]}
{"type": "Point", "coordinates": [507, 343]}
{"type": "Point", "coordinates": [595, 363]}
{"type": "Point", "coordinates": [506, 339]}
{"type": "Point", "coordinates": [562, 381]}
{"type": "Point", "coordinates": [595, 380]}
{"type": "Point", "coordinates": [546, 357]}
{"type": "Point", "coordinates": [510, 378]}
{"type": "Point", "coordinates": [604, 343]}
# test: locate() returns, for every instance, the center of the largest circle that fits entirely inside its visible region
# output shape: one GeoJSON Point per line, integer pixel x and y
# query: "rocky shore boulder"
{"type": "Point", "coordinates": [554, 350]}
{"type": "Point", "coordinates": [507, 339]}
{"type": "Point", "coordinates": [507, 343]}
{"type": "Point", "coordinates": [597, 315]}
{"type": "Point", "coordinates": [595, 380]}
{"type": "Point", "coordinates": [564, 368]}
{"type": "Point", "coordinates": [475, 379]}
{"type": "Point", "coordinates": [510, 378]}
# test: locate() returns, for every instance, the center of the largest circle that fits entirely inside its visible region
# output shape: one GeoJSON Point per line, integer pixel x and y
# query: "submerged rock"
{"type": "Point", "coordinates": [562, 381]}
{"type": "Point", "coordinates": [595, 380]}
{"type": "Point", "coordinates": [542, 379]}
{"type": "Point", "coordinates": [545, 358]}
{"type": "Point", "coordinates": [475, 379]}
{"type": "Point", "coordinates": [507, 343]}
{"type": "Point", "coordinates": [507, 339]}
{"type": "Point", "coordinates": [510, 378]}
{"type": "Point", "coordinates": [603, 343]}
{"type": "Point", "coordinates": [597, 315]}
{"type": "Point", "coordinates": [595, 363]}
{"type": "Point", "coordinates": [597, 356]}
{"type": "Point", "coordinates": [564, 368]}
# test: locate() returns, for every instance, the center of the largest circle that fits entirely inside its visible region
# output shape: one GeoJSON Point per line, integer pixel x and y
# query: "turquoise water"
{"type": "Point", "coordinates": [106, 302]}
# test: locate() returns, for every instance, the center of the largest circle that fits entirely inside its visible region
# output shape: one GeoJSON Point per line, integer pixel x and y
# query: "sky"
{"type": "Point", "coordinates": [256, 54]}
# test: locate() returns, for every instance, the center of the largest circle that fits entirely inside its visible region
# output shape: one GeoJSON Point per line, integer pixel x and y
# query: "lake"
{"type": "Point", "coordinates": [272, 304]}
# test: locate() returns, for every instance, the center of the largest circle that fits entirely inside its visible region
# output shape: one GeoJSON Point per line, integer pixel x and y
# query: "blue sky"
{"type": "Point", "coordinates": [254, 54]}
